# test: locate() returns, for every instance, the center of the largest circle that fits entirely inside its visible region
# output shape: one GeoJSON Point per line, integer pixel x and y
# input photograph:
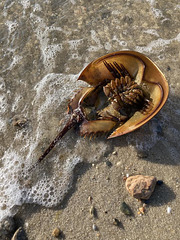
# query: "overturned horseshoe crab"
{"type": "Point", "coordinates": [126, 90]}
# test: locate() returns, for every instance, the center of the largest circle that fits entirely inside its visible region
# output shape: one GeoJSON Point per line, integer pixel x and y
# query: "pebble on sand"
{"type": "Point", "coordinates": [169, 210]}
{"type": "Point", "coordinates": [90, 199]}
{"type": "Point", "coordinates": [117, 223]}
{"type": "Point", "coordinates": [108, 164]}
{"type": "Point", "coordinates": [141, 211]}
{"type": "Point", "coordinates": [94, 227]}
{"type": "Point", "coordinates": [92, 211]}
{"type": "Point", "coordinates": [141, 187]}
{"type": "Point", "coordinates": [19, 121]}
{"type": "Point", "coordinates": [114, 153]}
{"type": "Point", "coordinates": [126, 209]}
{"type": "Point", "coordinates": [56, 232]}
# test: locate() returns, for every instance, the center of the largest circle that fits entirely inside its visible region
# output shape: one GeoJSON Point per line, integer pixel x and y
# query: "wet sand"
{"type": "Point", "coordinates": [45, 45]}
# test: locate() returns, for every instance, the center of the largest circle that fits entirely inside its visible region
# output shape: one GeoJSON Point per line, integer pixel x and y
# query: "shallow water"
{"type": "Point", "coordinates": [44, 47]}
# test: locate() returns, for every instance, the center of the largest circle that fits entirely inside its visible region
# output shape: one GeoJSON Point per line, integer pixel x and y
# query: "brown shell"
{"type": "Point", "coordinates": [143, 70]}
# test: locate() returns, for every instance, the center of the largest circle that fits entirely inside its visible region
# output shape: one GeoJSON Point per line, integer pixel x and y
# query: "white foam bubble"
{"type": "Point", "coordinates": [74, 44]}
{"type": "Point", "coordinates": [15, 104]}
{"type": "Point", "coordinates": [151, 2]}
{"type": "Point", "coordinates": [10, 191]}
{"type": "Point", "coordinates": [177, 7]}
{"type": "Point", "coordinates": [159, 43]}
{"type": "Point", "coordinates": [73, 2]}
{"type": "Point", "coordinates": [47, 190]}
{"type": "Point", "coordinates": [116, 12]}
{"type": "Point", "coordinates": [16, 59]}
{"type": "Point", "coordinates": [152, 32]}
{"type": "Point", "coordinates": [157, 12]}
{"type": "Point", "coordinates": [3, 103]}
{"type": "Point", "coordinates": [2, 85]}
{"type": "Point", "coordinates": [121, 42]}
{"type": "Point", "coordinates": [12, 26]}
{"type": "Point", "coordinates": [107, 46]}
{"type": "Point", "coordinates": [37, 7]}
{"type": "Point", "coordinates": [48, 51]}
{"type": "Point", "coordinates": [55, 88]}
{"type": "Point", "coordinates": [3, 125]}
{"type": "Point", "coordinates": [25, 4]}
{"type": "Point", "coordinates": [97, 44]}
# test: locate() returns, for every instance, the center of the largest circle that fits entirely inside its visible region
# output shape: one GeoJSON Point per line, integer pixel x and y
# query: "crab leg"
{"type": "Point", "coordinates": [97, 126]}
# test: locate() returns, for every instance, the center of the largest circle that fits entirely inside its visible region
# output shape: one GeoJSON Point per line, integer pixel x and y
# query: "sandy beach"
{"type": "Point", "coordinates": [44, 47]}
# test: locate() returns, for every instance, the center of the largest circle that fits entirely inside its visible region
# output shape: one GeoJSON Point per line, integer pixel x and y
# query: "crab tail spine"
{"type": "Point", "coordinates": [77, 117]}
{"type": "Point", "coordinates": [68, 126]}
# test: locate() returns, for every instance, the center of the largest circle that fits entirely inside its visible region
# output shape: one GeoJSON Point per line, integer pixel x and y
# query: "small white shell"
{"type": "Point", "coordinates": [169, 210]}
{"type": "Point", "coordinates": [127, 175]}
{"type": "Point", "coordinates": [94, 227]}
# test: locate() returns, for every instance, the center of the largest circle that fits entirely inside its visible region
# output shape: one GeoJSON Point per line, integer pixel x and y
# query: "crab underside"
{"type": "Point", "coordinates": [111, 103]}
{"type": "Point", "coordinates": [127, 90]}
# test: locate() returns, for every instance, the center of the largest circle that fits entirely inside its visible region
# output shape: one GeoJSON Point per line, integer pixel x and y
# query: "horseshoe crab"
{"type": "Point", "coordinates": [126, 90]}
